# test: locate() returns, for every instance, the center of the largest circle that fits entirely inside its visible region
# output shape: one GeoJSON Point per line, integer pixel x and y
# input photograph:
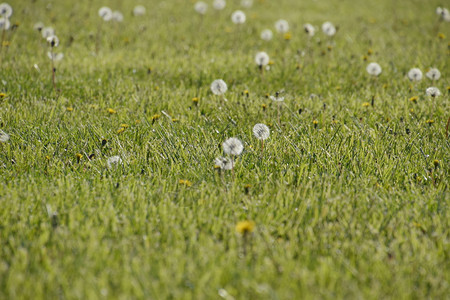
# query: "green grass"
{"type": "Point", "coordinates": [356, 206]}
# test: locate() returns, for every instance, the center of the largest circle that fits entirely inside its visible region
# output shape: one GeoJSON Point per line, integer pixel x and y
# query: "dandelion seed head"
{"type": "Point", "coordinates": [4, 23]}
{"type": "Point", "coordinates": [247, 3]}
{"type": "Point", "coordinates": [233, 146]}
{"type": "Point", "coordinates": [282, 26]}
{"type": "Point", "coordinates": [47, 32]}
{"type": "Point", "coordinates": [55, 56]}
{"type": "Point", "coordinates": [328, 28]}
{"type": "Point", "coordinates": [4, 137]}
{"type": "Point", "coordinates": [261, 131]}
{"type": "Point", "coordinates": [53, 41]}
{"type": "Point", "coordinates": [113, 161]}
{"type": "Point", "coordinates": [415, 74]}
{"type": "Point", "coordinates": [105, 13]}
{"type": "Point", "coordinates": [238, 17]}
{"type": "Point", "coordinates": [433, 74]}
{"type": "Point", "coordinates": [201, 7]}
{"type": "Point", "coordinates": [433, 92]}
{"type": "Point", "coordinates": [218, 87]}
{"type": "Point", "coordinates": [309, 29]}
{"type": "Point", "coordinates": [276, 98]}
{"type": "Point", "coordinates": [262, 59]}
{"type": "Point", "coordinates": [139, 10]}
{"type": "Point", "coordinates": [5, 10]}
{"type": "Point", "coordinates": [117, 16]}
{"type": "Point", "coordinates": [266, 34]}
{"type": "Point", "coordinates": [38, 26]}
{"type": "Point", "coordinates": [224, 163]}
{"type": "Point", "coordinates": [373, 69]}
{"type": "Point", "coordinates": [219, 4]}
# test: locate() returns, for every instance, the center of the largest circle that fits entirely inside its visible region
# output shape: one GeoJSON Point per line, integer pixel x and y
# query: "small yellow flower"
{"type": "Point", "coordinates": [156, 88]}
{"type": "Point", "coordinates": [185, 182]}
{"type": "Point", "coordinates": [329, 47]}
{"type": "Point", "coordinates": [124, 125]}
{"type": "Point", "coordinates": [369, 52]}
{"type": "Point", "coordinates": [47, 157]}
{"type": "Point", "coordinates": [287, 36]}
{"type": "Point", "coordinates": [2, 95]}
{"type": "Point", "coordinates": [441, 36]}
{"type": "Point", "coordinates": [335, 121]}
{"type": "Point", "coordinates": [264, 106]}
{"type": "Point", "coordinates": [436, 163]}
{"type": "Point", "coordinates": [411, 110]}
{"type": "Point", "coordinates": [246, 93]}
{"type": "Point", "coordinates": [366, 104]}
{"type": "Point", "coordinates": [429, 122]}
{"type": "Point", "coordinates": [365, 58]}
{"type": "Point", "coordinates": [155, 117]}
{"type": "Point", "coordinates": [137, 122]}
{"type": "Point", "coordinates": [175, 120]}
{"type": "Point", "coordinates": [385, 86]}
{"type": "Point", "coordinates": [315, 122]}
{"type": "Point", "coordinates": [245, 227]}
{"type": "Point", "coordinates": [195, 100]}
{"type": "Point", "coordinates": [69, 108]}
{"type": "Point", "coordinates": [271, 62]}
{"type": "Point", "coordinates": [120, 130]}
{"type": "Point", "coordinates": [112, 111]}
{"type": "Point", "coordinates": [79, 156]}
{"type": "Point", "coordinates": [414, 99]}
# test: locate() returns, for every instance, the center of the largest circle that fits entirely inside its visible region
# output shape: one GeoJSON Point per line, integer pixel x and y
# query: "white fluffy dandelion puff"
{"type": "Point", "coordinates": [433, 74]}
{"type": "Point", "coordinates": [218, 87]}
{"type": "Point", "coordinates": [266, 34]}
{"type": "Point", "coordinates": [238, 17]}
{"type": "Point", "coordinates": [113, 161]}
{"type": "Point", "coordinates": [262, 59]}
{"type": "Point", "coordinates": [139, 10]}
{"type": "Point", "coordinates": [53, 41]}
{"type": "Point", "coordinates": [55, 56]}
{"type": "Point", "coordinates": [5, 10]}
{"type": "Point", "coordinates": [433, 92]}
{"type": "Point", "coordinates": [328, 28]}
{"type": "Point", "coordinates": [233, 146]}
{"type": "Point", "coordinates": [47, 32]}
{"type": "Point", "coordinates": [261, 131]}
{"type": "Point", "coordinates": [4, 137]}
{"type": "Point", "coordinates": [201, 7]}
{"type": "Point", "coordinates": [246, 3]}
{"type": "Point", "coordinates": [105, 13]}
{"type": "Point", "coordinates": [219, 4]}
{"type": "Point", "coordinates": [117, 16]}
{"type": "Point", "coordinates": [415, 74]}
{"type": "Point", "coordinates": [282, 26]}
{"type": "Point", "coordinates": [373, 69]}
{"type": "Point", "coordinates": [309, 29]}
{"type": "Point", "coordinates": [224, 163]}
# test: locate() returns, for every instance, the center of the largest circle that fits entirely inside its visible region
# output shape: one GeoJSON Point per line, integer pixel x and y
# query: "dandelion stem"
{"type": "Point", "coordinates": [53, 70]}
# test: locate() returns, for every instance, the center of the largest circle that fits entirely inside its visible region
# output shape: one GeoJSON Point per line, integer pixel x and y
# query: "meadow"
{"type": "Point", "coordinates": [110, 184]}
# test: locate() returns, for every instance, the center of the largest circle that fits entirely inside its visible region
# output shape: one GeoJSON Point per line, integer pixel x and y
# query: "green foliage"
{"type": "Point", "coordinates": [349, 196]}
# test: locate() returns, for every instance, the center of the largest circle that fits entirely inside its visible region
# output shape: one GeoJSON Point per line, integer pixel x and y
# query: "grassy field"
{"type": "Point", "coordinates": [348, 199]}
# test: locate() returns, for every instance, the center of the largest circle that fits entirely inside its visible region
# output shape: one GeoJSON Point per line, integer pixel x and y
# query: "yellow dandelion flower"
{"type": "Point", "coordinates": [175, 120]}
{"type": "Point", "coordinates": [436, 163]}
{"type": "Point", "coordinates": [441, 36]}
{"type": "Point", "coordinates": [120, 130]}
{"type": "Point", "coordinates": [429, 122]}
{"type": "Point", "coordinates": [385, 86]}
{"type": "Point", "coordinates": [195, 100]}
{"type": "Point", "coordinates": [335, 121]}
{"type": "Point", "coordinates": [124, 125]}
{"type": "Point", "coordinates": [70, 108]}
{"type": "Point", "coordinates": [155, 117]}
{"type": "Point", "coordinates": [2, 95]}
{"type": "Point", "coordinates": [246, 93]}
{"type": "Point", "coordinates": [271, 62]}
{"type": "Point", "coordinates": [264, 106]}
{"type": "Point", "coordinates": [137, 122]}
{"type": "Point", "coordinates": [414, 99]}
{"type": "Point", "coordinates": [79, 156]}
{"type": "Point", "coordinates": [369, 52]}
{"type": "Point", "coordinates": [365, 58]}
{"type": "Point", "coordinates": [112, 111]}
{"type": "Point", "coordinates": [185, 182]}
{"type": "Point", "coordinates": [366, 104]}
{"type": "Point", "coordinates": [315, 122]}
{"type": "Point", "coordinates": [411, 110]}
{"type": "Point", "coordinates": [245, 227]}
{"type": "Point", "coordinates": [156, 88]}
{"type": "Point", "coordinates": [329, 47]}
{"type": "Point", "coordinates": [47, 157]}
{"type": "Point", "coordinates": [287, 36]}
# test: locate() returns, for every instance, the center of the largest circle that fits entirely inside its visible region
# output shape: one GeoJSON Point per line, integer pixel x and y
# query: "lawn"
{"type": "Point", "coordinates": [110, 184]}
